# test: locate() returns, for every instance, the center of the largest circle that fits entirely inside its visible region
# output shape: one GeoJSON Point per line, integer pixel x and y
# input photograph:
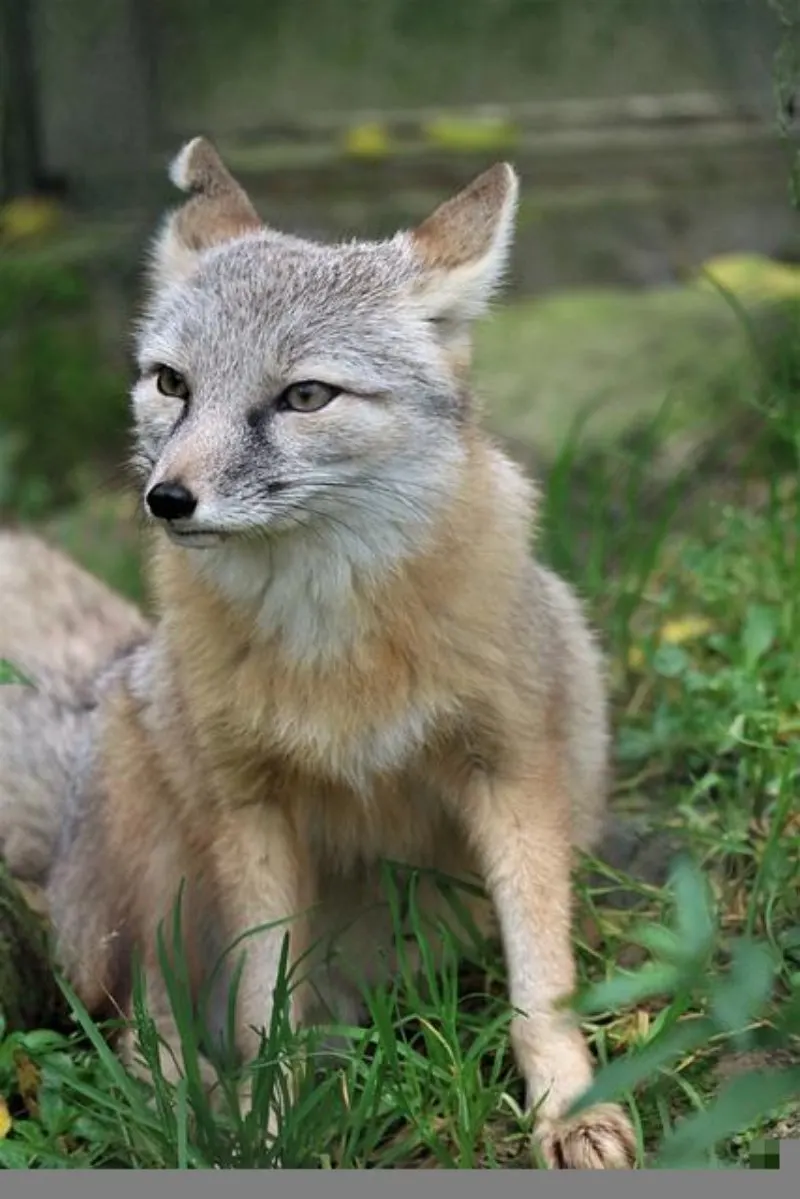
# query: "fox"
{"type": "Point", "coordinates": [354, 654]}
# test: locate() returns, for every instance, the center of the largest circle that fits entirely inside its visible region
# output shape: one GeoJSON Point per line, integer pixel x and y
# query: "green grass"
{"type": "Point", "coordinates": [618, 356]}
{"type": "Point", "coordinates": [689, 990]}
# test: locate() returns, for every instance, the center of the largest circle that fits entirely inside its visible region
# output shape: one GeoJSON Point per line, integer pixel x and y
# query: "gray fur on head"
{"type": "Point", "coordinates": [241, 312]}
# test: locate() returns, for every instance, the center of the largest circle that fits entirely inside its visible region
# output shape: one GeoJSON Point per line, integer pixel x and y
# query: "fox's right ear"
{"type": "Point", "coordinates": [219, 210]}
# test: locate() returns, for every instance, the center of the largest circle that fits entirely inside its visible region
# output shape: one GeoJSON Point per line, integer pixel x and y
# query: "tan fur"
{"type": "Point", "coordinates": [460, 725]}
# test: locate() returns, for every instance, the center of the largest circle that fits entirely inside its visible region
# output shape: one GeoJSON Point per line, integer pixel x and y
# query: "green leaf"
{"type": "Point", "coordinates": [662, 942]}
{"type": "Point", "coordinates": [734, 733]}
{"type": "Point", "coordinates": [671, 661]}
{"type": "Point", "coordinates": [694, 923]}
{"type": "Point", "coordinates": [625, 1073]}
{"type": "Point", "coordinates": [789, 1020]}
{"type": "Point", "coordinates": [10, 674]}
{"type": "Point", "coordinates": [760, 629]}
{"type": "Point", "coordinates": [790, 938]}
{"type": "Point", "coordinates": [746, 1100]}
{"type": "Point", "coordinates": [41, 1040]}
{"type": "Point", "coordinates": [745, 990]}
{"type": "Point", "coordinates": [624, 990]}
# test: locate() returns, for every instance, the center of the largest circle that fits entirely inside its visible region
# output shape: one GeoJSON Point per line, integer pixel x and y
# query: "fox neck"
{"type": "Point", "coordinates": [321, 595]}
{"type": "Point", "coordinates": [309, 593]}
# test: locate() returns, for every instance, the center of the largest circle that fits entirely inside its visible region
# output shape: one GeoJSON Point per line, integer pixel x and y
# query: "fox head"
{"type": "Point", "coordinates": [286, 385]}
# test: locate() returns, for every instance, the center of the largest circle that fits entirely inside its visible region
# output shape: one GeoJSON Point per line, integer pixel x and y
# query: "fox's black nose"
{"type": "Point", "coordinates": [171, 501]}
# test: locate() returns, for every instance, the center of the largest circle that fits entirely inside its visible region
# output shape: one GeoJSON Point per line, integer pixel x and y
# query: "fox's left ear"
{"type": "Point", "coordinates": [218, 210]}
{"type": "Point", "coordinates": [463, 247]}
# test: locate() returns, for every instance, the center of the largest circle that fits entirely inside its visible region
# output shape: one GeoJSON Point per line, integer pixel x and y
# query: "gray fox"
{"type": "Point", "coordinates": [353, 654]}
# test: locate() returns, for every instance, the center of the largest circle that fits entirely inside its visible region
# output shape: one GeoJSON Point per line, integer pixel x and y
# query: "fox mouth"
{"type": "Point", "coordinates": [195, 538]}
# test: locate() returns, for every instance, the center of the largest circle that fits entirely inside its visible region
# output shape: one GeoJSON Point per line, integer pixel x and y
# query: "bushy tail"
{"type": "Point", "coordinates": [40, 745]}
{"type": "Point", "coordinates": [60, 627]}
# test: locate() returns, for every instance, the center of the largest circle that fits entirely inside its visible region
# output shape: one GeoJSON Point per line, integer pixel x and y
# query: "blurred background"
{"type": "Point", "coordinates": [655, 262]}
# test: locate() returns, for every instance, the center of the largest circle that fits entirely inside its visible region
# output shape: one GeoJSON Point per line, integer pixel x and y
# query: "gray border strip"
{"type": "Point", "coordinates": [456, 1184]}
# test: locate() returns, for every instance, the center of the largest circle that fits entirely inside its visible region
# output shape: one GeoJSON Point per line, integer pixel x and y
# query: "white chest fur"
{"type": "Point", "coordinates": [315, 607]}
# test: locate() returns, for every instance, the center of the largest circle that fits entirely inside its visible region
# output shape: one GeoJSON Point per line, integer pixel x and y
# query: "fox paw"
{"type": "Point", "coordinates": [599, 1139]}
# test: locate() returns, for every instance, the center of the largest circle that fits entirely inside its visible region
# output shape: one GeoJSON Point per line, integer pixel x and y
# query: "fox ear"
{"type": "Point", "coordinates": [219, 210]}
{"type": "Point", "coordinates": [463, 247]}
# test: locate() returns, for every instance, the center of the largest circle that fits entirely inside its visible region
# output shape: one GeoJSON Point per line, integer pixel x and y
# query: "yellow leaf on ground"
{"type": "Point", "coordinates": [28, 1082]}
{"type": "Point", "coordinates": [751, 276]}
{"type": "Point", "coordinates": [635, 658]}
{"type": "Point", "coordinates": [788, 728]}
{"type": "Point", "coordinates": [464, 134]}
{"type": "Point", "coordinates": [28, 217]}
{"type": "Point", "coordinates": [5, 1119]}
{"type": "Point", "coordinates": [675, 632]}
{"type": "Point", "coordinates": [370, 140]}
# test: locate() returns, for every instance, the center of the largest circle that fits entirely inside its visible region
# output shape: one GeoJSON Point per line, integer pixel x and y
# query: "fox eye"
{"type": "Point", "coordinates": [170, 383]}
{"type": "Point", "coordinates": [308, 397]}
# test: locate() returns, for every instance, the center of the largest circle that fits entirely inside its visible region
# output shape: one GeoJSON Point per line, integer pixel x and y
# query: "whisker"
{"type": "Point", "coordinates": [365, 496]}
